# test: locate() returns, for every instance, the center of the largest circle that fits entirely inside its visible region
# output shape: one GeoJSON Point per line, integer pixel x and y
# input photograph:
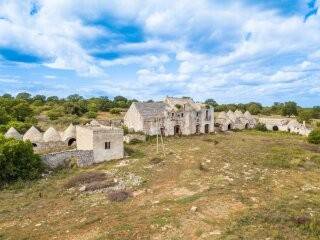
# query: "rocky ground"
{"type": "Point", "coordinates": [242, 185]}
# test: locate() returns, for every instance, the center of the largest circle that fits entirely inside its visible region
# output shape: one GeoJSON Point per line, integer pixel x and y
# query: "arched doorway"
{"type": "Point", "coordinates": [177, 130]}
{"type": "Point", "coordinates": [71, 142]}
{"type": "Point", "coordinates": [246, 126]}
{"type": "Point", "coordinates": [289, 130]}
{"type": "Point", "coordinates": [197, 128]}
{"type": "Point", "coordinates": [162, 131]}
{"type": "Point", "coordinates": [229, 126]}
{"type": "Point", "coordinates": [206, 128]}
{"type": "Point", "coordinates": [275, 128]}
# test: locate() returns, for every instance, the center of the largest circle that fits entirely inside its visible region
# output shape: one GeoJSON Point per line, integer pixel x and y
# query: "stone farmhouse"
{"type": "Point", "coordinates": [173, 116]}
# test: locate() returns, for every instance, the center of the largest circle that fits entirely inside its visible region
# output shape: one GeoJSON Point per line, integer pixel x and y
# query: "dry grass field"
{"type": "Point", "coordinates": [241, 185]}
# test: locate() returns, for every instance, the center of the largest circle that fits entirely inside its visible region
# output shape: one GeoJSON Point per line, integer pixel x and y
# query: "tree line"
{"type": "Point", "coordinates": [23, 110]}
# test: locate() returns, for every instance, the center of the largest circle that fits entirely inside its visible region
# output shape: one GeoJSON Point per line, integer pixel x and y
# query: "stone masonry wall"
{"type": "Point", "coordinates": [61, 159]}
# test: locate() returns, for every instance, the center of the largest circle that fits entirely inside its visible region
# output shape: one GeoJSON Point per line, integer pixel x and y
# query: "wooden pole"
{"type": "Point", "coordinates": [157, 123]}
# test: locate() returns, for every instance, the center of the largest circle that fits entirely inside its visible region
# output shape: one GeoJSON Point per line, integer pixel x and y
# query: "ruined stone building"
{"type": "Point", "coordinates": [286, 125]}
{"type": "Point", "coordinates": [235, 120]}
{"type": "Point", "coordinates": [173, 116]}
{"type": "Point", "coordinates": [105, 142]}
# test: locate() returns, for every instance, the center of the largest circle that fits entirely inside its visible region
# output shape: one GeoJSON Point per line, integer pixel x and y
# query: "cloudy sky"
{"type": "Point", "coordinates": [230, 50]}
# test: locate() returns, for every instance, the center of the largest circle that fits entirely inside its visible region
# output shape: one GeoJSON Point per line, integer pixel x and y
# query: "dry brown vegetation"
{"type": "Point", "coordinates": [250, 185]}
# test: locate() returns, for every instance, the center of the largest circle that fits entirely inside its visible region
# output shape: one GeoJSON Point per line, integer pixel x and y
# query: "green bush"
{"type": "Point", "coordinates": [54, 114]}
{"type": "Point", "coordinates": [115, 111]}
{"type": "Point", "coordinates": [91, 114]}
{"type": "Point", "coordinates": [314, 137]}
{"type": "Point", "coordinates": [261, 127]}
{"type": "Point", "coordinates": [18, 161]}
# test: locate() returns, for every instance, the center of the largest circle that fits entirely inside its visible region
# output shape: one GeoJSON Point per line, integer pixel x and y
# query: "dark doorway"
{"type": "Point", "coordinates": [246, 126]}
{"type": "Point", "coordinates": [197, 129]}
{"type": "Point", "coordinates": [34, 145]}
{"type": "Point", "coordinates": [71, 142]}
{"type": "Point", "coordinates": [177, 130]}
{"type": "Point", "coordinates": [275, 128]}
{"type": "Point", "coordinates": [206, 128]}
{"type": "Point", "coordinates": [162, 131]}
{"type": "Point", "coordinates": [289, 130]}
{"type": "Point", "coordinates": [229, 127]}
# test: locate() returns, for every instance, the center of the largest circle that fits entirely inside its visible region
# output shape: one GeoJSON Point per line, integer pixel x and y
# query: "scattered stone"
{"type": "Point", "coordinates": [82, 188]}
{"type": "Point", "coordinates": [193, 209]}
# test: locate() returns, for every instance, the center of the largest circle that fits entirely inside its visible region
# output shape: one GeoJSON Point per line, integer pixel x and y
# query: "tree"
{"type": "Point", "coordinates": [120, 98]}
{"type": "Point", "coordinates": [211, 102]}
{"type": "Point", "coordinates": [21, 111]}
{"type": "Point", "coordinates": [254, 109]}
{"type": "Point", "coordinates": [316, 112]}
{"type": "Point", "coordinates": [7, 95]}
{"type": "Point", "coordinates": [53, 99]}
{"type": "Point", "coordinates": [40, 98]}
{"type": "Point", "coordinates": [276, 108]}
{"type": "Point", "coordinates": [23, 96]}
{"type": "Point", "coordinates": [289, 109]}
{"type": "Point", "coordinates": [18, 161]}
{"type": "Point", "coordinates": [74, 98]}
{"type": "Point", "coordinates": [4, 116]}
{"type": "Point", "coordinates": [304, 115]}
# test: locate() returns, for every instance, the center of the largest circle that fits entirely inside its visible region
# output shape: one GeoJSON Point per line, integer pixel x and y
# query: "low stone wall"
{"type": "Point", "coordinates": [130, 137]}
{"type": "Point", "coordinates": [61, 159]}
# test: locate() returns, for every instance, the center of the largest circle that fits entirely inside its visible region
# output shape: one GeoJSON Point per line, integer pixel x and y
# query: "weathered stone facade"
{"type": "Point", "coordinates": [285, 125]}
{"type": "Point", "coordinates": [105, 142]}
{"type": "Point", "coordinates": [61, 159]}
{"type": "Point", "coordinates": [173, 116]}
{"type": "Point", "coordinates": [235, 120]}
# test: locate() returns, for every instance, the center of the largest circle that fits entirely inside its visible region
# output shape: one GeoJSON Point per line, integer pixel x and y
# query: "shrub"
{"type": "Point", "coordinates": [55, 114]}
{"type": "Point", "coordinates": [118, 196]}
{"type": "Point", "coordinates": [115, 111]}
{"type": "Point", "coordinates": [91, 114]}
{"type": "Point", "coordinates": [261, 127]}
{"type": "Point", "coordinates": [156, 160]}
{"type": "Point", "coordinates": [18, 161]}
{"type": "Point", "coordinates": [85, 178]}
{"type": "Point", "coordinates": [314, 137]}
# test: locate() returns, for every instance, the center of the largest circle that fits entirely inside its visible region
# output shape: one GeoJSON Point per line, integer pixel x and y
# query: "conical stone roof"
{"type": "Point", "coordinates": [33, 135]}
{"type": "Point", "coordinates": [222, 115]}
{"type": "Point", "coordinates": [247, 114]}
{"type": "Point", "coordinates": [51, 135]}
{"type": "Point", "coordinates": [238, 113]}
{"type": "Point", "coordinates": [70, 132]}
{"type": "Point", "coordinates": [13, 133]}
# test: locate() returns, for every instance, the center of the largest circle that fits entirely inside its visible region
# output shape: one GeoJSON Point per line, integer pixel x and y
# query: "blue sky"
{"type": "Point", "coordinates": [232, 51]}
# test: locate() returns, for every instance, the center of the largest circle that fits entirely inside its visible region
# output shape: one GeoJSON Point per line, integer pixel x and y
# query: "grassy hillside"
{"type": "Point", "coordinates": [243, 185]}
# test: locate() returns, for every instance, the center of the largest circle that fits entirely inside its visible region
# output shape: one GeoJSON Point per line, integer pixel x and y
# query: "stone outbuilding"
{"type": "Point", "coordinates": [235, 120]}
{"type": "Point", "coordinates": [105, 142]}
{"type": "Point", "coordinates": [285, 125]}
{"type": "Point", "coordinates": [173, 116]}
{"type": "Point", "coordinates": [69, 135]}
{"type": "Point", "coordinates": [223, 122]}
{"type": "Point", "coordinates": [34, 136]}
{"type": "Point", "coordinates": [251, 120]}
{"type": "Point", "coordinates": [13, 133]}
{"type": "Point", "coordinates": [51, 135]}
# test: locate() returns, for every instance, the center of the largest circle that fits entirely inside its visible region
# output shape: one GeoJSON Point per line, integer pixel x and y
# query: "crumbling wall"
{"type": "Point", "coordinates": [130, 137]}
{"type": "Point", "coordinates": [61, 159]}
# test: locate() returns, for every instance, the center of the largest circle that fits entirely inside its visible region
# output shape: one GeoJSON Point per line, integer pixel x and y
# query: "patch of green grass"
{"type": "Point", "coordinates": [189, 199]}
